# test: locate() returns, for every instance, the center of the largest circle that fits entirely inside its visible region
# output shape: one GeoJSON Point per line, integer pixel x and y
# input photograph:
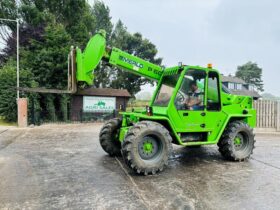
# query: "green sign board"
{"type": "Point", "coordinates": [98, 104]}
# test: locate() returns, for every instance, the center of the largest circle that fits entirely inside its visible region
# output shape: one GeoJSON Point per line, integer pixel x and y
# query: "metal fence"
{"type": "Point", "coordinates": [268, 114]}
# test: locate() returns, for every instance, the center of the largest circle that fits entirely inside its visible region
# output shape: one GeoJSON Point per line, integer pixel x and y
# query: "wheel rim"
{"type": "Point", "coordinates": [241, 141]}
{"type": "Point", "coordinates": [149, 148]}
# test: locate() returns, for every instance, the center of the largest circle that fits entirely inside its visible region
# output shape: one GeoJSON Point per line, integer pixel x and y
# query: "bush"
{"type": "Point", "coordinates": [8, 81]}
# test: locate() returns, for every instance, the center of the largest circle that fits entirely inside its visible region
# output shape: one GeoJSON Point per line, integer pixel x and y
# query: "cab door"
{"type": "Point", "coordinates": [214, 116]}
{"type": "Point", "coordinates": [190, 102]}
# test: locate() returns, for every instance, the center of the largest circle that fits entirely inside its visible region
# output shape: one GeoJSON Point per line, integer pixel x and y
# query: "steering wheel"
{"type": "Point", "coordinates": [180, 98]}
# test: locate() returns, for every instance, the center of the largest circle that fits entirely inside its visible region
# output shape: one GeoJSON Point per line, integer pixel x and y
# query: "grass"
{"type": "Point", "coordinates": [5, 123]}
{"type": "Point", "coordinates": [129, 109]}
{"type": "Point", "coordinates": [137, 105]}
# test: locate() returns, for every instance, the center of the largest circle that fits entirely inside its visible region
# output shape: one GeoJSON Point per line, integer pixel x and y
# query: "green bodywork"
{"type": "Point", "coordinates": [179, 122]}
{"type": "Point", "coordinates": [90, 58]}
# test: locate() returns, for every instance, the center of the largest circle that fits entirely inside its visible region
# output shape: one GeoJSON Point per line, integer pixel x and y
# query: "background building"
{"type": "Point", "coordinates": [94, 103]}
{"type": "Point", "coordinates": [239, 86]}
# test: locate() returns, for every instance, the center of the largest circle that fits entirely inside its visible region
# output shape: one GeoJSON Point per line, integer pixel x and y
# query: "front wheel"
{"type": "Point", "coordinates": [108, 137]}
{"type": "Point", "coordinates": [237, 141]}
{"type": "Point", "coordinates": [146, 147]}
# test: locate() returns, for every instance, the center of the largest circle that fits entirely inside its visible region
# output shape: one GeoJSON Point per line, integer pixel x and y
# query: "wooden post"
{"type": "Point", "coordinates": [261, 114]}
{"type": "Point", "coordinates": [266, 113]}
{"type": "Point", "coordinates": [258, 106]}
{"type": "Point", "coordinates": [278, 117]}
{"type": "Point", "coordinates": [269, 110]}
{"type": "Point", "coordinates": [275, 114]}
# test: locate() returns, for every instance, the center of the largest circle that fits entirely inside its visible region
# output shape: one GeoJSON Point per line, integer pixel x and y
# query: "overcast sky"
{"type": "Point", "coordinates": [226, 33]}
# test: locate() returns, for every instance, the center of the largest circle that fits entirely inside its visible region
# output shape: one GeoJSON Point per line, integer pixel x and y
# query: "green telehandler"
{"type": "Point", "coordinates": [189, 107]}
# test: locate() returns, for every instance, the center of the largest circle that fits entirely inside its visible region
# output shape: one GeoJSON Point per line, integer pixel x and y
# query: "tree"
{"type": "Point", "coordinates": [102, 17]}
{"type": "Point", "coordinates": [8, 95]}
{"type": "Point", "coordinates": [103, 74]}
{"type": "Point", "coordinates": [251, 73]}
{"type": "Point", "coordinates": [134, 44]}
{"type": "Point", "coordinates": [75, 15]}
{"type": "Point", "coordinates": [47, 30]}
{"type": "Point", "coordinates": [8, 9]}
{"type": "Point", "coordinates": [32, 24]}
{"type": "Point", "coordinates": [47, 59]}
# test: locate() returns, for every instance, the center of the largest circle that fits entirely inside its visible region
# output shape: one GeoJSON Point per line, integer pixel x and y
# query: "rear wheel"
{"type": "Point", "coordinates": [108, 137]}
{"type": "Point", "coordinates": [146, 147]}
{"type": "Point", "coordinates": [237, 142]}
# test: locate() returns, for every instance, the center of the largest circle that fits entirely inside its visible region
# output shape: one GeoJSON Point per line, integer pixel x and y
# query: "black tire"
{"type": "Point", "coordinates": [237, 141]}
{"type": "Point", "coordinates": [136, 153]}
{"type": "Point", "coordinates": [108, 137]}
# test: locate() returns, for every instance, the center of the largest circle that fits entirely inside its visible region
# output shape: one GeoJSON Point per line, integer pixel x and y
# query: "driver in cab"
{"type": "Point", "coordinates": [194, 102]}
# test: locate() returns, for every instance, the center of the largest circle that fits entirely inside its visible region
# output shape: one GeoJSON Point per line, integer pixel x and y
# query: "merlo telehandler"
{"type": "Point", "coordinates": [144, 138]}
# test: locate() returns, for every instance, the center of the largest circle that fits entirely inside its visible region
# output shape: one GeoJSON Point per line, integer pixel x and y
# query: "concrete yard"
{"type": "Point", "coordinates": [63, 167]}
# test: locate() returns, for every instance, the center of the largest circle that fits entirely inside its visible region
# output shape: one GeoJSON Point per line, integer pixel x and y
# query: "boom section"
{"type": "Point", "coordinates": [134, 64]}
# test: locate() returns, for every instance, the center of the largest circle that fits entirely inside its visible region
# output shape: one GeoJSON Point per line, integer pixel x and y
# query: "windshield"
{"type": "Point", "coordinates": [165, 92]}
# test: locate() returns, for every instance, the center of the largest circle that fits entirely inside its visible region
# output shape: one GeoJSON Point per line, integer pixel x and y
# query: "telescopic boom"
{"type": "Point", "coordinates": [83, 64]}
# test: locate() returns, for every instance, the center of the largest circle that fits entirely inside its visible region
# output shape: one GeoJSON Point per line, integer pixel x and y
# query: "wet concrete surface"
{"type": "Point", "coordinates": [63, 167]}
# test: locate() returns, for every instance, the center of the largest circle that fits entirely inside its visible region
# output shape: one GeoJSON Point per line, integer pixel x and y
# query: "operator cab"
{"type": "Point", "coordinates": [190, 97]}
{"type": "Point", "coordinates": [189, 86]}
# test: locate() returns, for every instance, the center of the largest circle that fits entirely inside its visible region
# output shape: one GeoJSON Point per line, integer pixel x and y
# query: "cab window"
{"type": "Point", "coordinates": [166, 90]}
{"type": "Point", "coordinates": [213, 92]}
{"type": "Point", "coordinates": [190, 96]}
